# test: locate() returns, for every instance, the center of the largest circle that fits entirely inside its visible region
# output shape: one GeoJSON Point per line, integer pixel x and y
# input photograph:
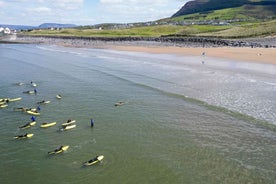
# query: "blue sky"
{"type": "Point", "coordinates": [85, 12]}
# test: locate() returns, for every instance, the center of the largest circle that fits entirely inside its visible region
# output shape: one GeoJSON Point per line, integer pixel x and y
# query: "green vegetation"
{"type": "Point", "coordinates": [240, 30]}
{"type": "Point", "coordinates": [201, 6]}
{"type": "Point", "coordinates": [150, 31]}
{"type": "Point", "coordinates": [246, 12]}
{"type": "Point", "coordinates": [246, 30]}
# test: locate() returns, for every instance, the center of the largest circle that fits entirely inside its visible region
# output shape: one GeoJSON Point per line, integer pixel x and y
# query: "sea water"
{"type": "Point", "coordinates": [183, 120]}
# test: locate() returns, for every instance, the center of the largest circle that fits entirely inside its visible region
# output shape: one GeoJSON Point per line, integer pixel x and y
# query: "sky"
{"type": "Point", "coordinates": [85, 12]}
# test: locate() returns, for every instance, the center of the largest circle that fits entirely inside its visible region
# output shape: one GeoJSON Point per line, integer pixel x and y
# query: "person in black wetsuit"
{"type": "Point", "coordinates": [92, 123]}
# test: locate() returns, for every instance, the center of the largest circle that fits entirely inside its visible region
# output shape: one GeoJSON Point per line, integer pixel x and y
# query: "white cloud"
{"type": "Point", "coordinates": [68, 4]}
{"type": "Point", "coordinates": [131, 2]}
{"type": "Point", "coordinates": [2, 4]}
{"type": "Point", "coordinates": [62, 4]}
{"type": "Point", "coordinates": [41, 10]}
{"type": "Point", "coordinates": [111, 1]}
{"type": "Point", "coordinates": [137, 10]}
{"type": "Point", "coordinates": [87, 11]}
{"type": "Point", "coordinates": [42, 1]}
{"type": "Point", "coordinates": [69, 1]}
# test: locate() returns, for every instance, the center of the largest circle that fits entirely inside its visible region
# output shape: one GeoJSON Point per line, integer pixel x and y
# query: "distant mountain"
{"type": "Point", "coordinates": [55, 25]}
{"type": "Point", "coordinates": [199, 6]}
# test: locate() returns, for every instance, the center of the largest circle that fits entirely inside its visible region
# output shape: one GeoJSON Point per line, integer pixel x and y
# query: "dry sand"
{"type": "Point", "coordinates": [261, 55]}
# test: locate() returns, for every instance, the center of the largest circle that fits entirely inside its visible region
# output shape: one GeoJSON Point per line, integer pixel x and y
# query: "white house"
{"type": "Point", "coordinates": [7, 30]}
{"type": "Point", "coordinates": [4, 31]}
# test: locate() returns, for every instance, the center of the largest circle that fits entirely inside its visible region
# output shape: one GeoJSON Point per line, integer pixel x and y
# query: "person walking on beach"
{"type": "Point", "coordinates": [92, 123]}
{"type": "Point", "coordinates": [203, 54]}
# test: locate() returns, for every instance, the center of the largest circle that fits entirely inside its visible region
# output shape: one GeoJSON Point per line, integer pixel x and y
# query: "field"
{"type": "Point", "coordinates": [243, 30]}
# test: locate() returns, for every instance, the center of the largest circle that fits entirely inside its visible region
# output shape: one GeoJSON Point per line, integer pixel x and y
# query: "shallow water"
{"type": "Point", "coordinates": [183, 122]}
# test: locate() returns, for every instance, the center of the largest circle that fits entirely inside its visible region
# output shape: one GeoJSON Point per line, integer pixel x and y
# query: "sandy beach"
{"type": "Point", "coordinates": [263, 55]}
{"type": "Point", "coordinates": [248, 53]}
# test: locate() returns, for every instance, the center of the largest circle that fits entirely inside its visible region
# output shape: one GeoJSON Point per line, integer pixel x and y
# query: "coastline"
{"type": "Point", "coordinates": [261, 50]}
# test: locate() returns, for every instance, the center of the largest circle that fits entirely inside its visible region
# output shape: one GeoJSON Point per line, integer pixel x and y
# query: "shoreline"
{"type": "Point", "coordinates": [255, 50]}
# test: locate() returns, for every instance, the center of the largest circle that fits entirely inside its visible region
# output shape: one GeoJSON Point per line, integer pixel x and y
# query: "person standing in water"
{"type": "Point", "coordinates": [33, 118]}
{"type": "Point", "coordinates": [92, 123]}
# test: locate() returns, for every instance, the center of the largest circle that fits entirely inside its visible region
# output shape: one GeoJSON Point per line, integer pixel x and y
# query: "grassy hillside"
{"type": "Point", "coordinates": [199, 6]}
{"type": "Point", "coordinates": [246, 12]}
{"type": "Point", "coordinates": [247, 30]}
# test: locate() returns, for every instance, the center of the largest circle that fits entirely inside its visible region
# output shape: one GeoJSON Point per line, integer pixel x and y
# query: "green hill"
{"type": "Point", "coordinates": [201, 6]}
{"type": "Point", "coordinates": [242, 13]}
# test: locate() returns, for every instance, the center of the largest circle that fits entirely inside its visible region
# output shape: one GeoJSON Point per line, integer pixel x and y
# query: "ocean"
{"type": "Point", "coordinates": [182, 121]}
